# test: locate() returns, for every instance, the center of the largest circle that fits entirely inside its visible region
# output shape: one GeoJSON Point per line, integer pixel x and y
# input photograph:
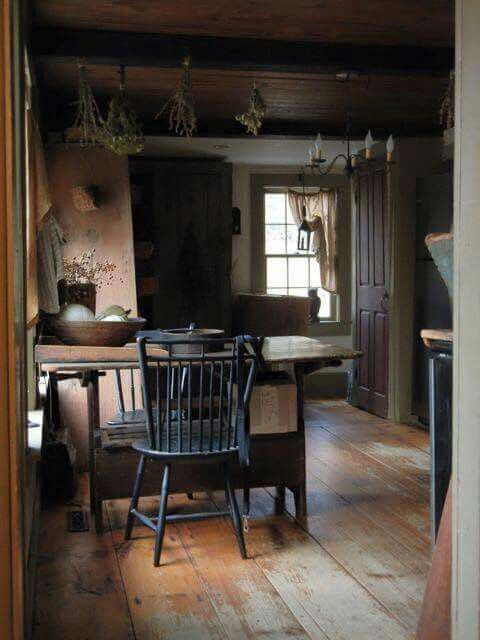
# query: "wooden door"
{"type": "Point", "coordinates": [371, 291]}
{"type": "Point", "coordinates": [190, 226]}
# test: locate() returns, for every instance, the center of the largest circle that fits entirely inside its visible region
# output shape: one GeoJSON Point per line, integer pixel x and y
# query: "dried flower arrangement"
{"type": "Point", "coordinates": [252, 119]}
{"type": "Point", "coordinates": [447, 110]}
{"type": "Point", "coordinates": [181, 105]}
{"type": "Point", "coordinates": [83, 269]}
{"type": "Point", "coordinates": [121, 132]}
{"type": "Point", "coordinates": [87, 119]}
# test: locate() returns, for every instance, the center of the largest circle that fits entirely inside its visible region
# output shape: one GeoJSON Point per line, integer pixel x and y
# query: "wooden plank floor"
{"type": "Point", "coordinates": [355, 568]}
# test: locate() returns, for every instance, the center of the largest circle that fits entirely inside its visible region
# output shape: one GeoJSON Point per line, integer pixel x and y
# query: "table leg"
{"type": "Point", "coordinates": [300, 491]}
{"type": "Point", "coordinates": [300, 497]}
{"type": "Point", "coordinates": [279, 500]}
{"type": "Point", "coordinates": [90, 381]}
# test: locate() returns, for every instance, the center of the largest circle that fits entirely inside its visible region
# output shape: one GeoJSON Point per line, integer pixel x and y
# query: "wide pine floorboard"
{"type": "Point", "coordinates": [355, 568]}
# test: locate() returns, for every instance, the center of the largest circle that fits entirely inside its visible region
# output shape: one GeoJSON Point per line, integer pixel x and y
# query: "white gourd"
{"type": "Point", "coordinates": [113, 318]}
{"type": "Point", "coordinates": [76, 313]}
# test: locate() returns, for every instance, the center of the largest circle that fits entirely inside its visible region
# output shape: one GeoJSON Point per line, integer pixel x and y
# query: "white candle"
{"type": "Point", "coordinates": [368, 145]}
{"type": "Point", "coordinates": [390, 148]}
{"type": "Point", "coordinates": [318, 146]}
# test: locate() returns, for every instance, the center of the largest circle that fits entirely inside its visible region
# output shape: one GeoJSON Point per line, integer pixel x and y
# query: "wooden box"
{"type": "Point", "coordinates": [269, 315]}
{"type": "Point", "coordinates": [273, 405]}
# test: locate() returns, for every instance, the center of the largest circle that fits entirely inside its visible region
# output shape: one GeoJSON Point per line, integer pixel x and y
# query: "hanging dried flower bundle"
{"type": "Point", "coordinates": [121, 132]}
{"type": "Point", "coordinates": [447, 110]}
{"type": "Point", "coordinates": [181, 105]}
{"type": "Point", "coordinates": [85, 269]}
{"type": "Point", "coordinates": [87, 119]}
{"type": "Point", "coordinates": [253, 117]}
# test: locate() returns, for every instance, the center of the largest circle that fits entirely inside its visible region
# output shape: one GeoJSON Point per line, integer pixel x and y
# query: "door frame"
{"type": "Point", "coordinates": [466, 342]}
{"type": "Point", "coordinates": [12, 326]}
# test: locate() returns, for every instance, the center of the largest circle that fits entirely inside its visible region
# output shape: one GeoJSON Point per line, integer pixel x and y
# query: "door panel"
{"type": "Point", "coordinates": [372, 294]}
{"type": "Point", "coordinates": [364, 345]}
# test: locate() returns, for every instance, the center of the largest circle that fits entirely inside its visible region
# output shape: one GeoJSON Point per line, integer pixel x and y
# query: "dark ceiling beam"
{"type": "Point", "coordinates": [59, 115]}
{"type": "Point", "coordinates": [246, 54]}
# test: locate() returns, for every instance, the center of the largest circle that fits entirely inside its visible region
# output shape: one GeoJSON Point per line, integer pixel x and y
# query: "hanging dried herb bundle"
{"type": "Point", "coordinates": [121, 132]}
{"type": "Point", "coordinates": [447, 110]}
{"type": "Point", "coordinates": [181, 105]}
{"type": "Point", "coordinates": [253, 117]}
{"type": "Point", "coordinates": [87, 119]}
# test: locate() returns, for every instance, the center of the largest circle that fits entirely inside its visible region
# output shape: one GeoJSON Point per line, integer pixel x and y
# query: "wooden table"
{"type": "Point", "coordinates": [277, 459]}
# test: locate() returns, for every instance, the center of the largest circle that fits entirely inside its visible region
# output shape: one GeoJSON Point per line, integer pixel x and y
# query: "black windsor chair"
{"type": "Point", "coordinates": [212, 388]}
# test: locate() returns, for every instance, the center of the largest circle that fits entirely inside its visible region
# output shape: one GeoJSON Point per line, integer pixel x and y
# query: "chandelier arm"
{"type": "Point", "coordinates": [330, 166]}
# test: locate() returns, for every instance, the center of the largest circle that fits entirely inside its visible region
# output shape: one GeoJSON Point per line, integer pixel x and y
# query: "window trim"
{"type": "Point", "coordinates": [340, 323]}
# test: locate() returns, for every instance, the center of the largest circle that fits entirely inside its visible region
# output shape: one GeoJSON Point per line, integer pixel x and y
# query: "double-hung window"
{"type": "Point", "coordinates": [289, 271]}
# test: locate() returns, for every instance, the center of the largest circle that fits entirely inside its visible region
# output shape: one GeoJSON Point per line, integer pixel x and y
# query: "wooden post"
{"type": "Point", "coordinates": [12, 324]}
{"type": "Point", "coordinates": [466, 343]}
{"type": "Point", "coordinates": [435, 618]}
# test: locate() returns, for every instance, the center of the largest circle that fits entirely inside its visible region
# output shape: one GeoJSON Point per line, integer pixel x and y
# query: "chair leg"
{"type": "Point", "coordinates": [246, 502]}
{"type": "Point", "coordinates": [136, 494]}
{"type": "Point", "coordinates": [234, 512]}
{"type": "Point", "coordinates": [162, 516]}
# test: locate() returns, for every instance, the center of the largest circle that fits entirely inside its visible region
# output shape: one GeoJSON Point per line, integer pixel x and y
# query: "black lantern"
{"type": "Point", "coordinates": [304, 231]}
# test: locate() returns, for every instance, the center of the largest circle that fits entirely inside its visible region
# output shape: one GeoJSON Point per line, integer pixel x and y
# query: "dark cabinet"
{"type": "Point", "coordinates": [184, 209]}
{"type": "Point", "coordinates": [432, 307]}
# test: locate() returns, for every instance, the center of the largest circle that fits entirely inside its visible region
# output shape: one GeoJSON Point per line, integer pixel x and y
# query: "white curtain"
{"type": "Point", "coordinates": [321, 215]}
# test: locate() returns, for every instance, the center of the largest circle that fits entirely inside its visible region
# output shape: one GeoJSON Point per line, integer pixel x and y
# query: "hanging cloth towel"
{"type": "Point", "coordinates": [38, 206]}
{"type": "Point", "coordinates": [50, 264]}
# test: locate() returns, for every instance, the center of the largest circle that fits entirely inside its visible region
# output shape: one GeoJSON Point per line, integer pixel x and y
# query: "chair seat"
{"type": "Point", "coordinates": [202, 438]}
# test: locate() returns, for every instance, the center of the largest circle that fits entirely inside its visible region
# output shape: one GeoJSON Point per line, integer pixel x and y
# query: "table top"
{"type": "Point", "coordinates": [434, 338]}
{"type": "Point", "coordinates": [293, 349]}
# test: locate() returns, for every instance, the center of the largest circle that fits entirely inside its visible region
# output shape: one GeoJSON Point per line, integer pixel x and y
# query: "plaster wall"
{"type": "Point", "coordinates": [109, 232]}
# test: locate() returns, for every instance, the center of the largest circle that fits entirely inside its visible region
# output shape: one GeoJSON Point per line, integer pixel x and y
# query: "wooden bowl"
{"type": "Point", "coordinates": [96, 333]}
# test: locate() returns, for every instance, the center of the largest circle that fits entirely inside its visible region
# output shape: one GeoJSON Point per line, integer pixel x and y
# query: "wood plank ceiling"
{"type": "Point", "coordinates": [403, 51]}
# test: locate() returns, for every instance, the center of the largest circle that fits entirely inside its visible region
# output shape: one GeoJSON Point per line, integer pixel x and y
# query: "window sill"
{"type": "Point", "coordinates": [329, 328]}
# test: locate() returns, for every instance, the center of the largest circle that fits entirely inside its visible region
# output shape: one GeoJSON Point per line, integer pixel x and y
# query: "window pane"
{"type": "Point", "coordinates": [297, 272]}
{"type": "Point", "coordinates": [274, 208]}
{"type": "Point", "coordinates": [274, 238]}
{"type": "Point", "coordinates": [277, 292]}
{"type": "Point", "coordinates": [292, 239]}
{"type": "Point", "coordinates": [325, 306]}
{"type": "Point", "coordinates": [314, 273]}
{"type": "Point", "coordinates": [298, 292]}
{"type": "Point", "coordinates": [290, 218]}
{"type": "Point", "coordinates": [276, 272]}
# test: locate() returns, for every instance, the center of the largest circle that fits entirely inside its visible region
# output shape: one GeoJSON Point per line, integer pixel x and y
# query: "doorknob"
{"type": "Point", "coordinates": [384, 301]}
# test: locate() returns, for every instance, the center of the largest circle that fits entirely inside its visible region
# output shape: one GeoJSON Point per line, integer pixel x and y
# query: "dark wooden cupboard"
{"type": "Point", "coordinates": [184, 210]}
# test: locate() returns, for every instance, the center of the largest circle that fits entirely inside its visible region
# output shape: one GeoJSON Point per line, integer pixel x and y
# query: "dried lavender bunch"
{"type": "Point", "coordinates": [253, 117]}
{"type": "Point", "coordinates": [121, 132]}
{"type": "Point", "coordinates": [447, 110]}
{"type": "Point", "coordinates": [181, 104]}
{"type": "Point", "coordinates": [87, 119]}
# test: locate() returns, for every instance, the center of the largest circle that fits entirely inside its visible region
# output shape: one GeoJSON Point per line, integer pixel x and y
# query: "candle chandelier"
{"type": "Point", "coordinates": [353, 159]}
